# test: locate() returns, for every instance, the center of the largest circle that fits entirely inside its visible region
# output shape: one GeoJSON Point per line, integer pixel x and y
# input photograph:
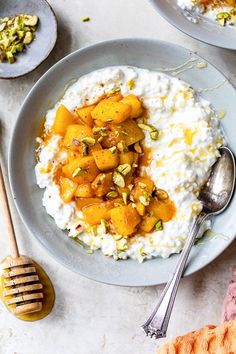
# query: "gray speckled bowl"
{"type": "Point", "coordinates": [143, 53]}
{"type": "Point", "coordinates": [41, 47]}
{"type": "Point", "coordinates": [205, 30]}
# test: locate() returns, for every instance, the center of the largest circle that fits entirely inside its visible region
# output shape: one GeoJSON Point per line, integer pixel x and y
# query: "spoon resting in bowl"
{"type": "Point", "coordinates": [215, 196]}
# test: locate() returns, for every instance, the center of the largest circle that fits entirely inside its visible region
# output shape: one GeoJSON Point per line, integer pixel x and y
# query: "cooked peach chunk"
{"type": "Point", "coordinates": [125, 219]}
{"type": "Point", "coordinates": [84, 190]}
{"type": "Point", "coordinates": [140, 208]}
{"type": "Point", "coordinates": [143, 186]}
{"type": "Point", "coordinates": [63, 118]}
{"type": "Point", "coordinates": [130, 132]}
{"type": "Point", "coordinates": [75, 133]}
{"type": "Point", "coordinates": [111, 111]}
{"type": "Point", "coordinates": [81, 170]}
{"type": "Point", "coordinates": [93, 214]}
{"type": "Point", "coordinates": [148, 223]}
{"type": "Point", "coordinates": [106, 159]}
{"type": "Point", "coordinates": [136, 105]}
{"type": "Point", "coordinates": [162, 209]}
{"type": "Point", "coordinates": [128, 157]}
{"type": "Point", "coordinates": [85, 202]}
{"type": "Point", "coordinates": [102, 184]}
{"type": "Point", "coordinates": [84, 114]}
{"type": "Point", "coordinates": [67, 189]}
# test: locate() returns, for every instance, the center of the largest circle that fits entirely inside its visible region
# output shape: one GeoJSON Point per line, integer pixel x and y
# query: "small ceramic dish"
{"type": "Point", "coordinates": [204, 30]}
{"type": "Point", "coordinates": [41, 47]}
{"type": "Point", "coordinates": [143, 53]}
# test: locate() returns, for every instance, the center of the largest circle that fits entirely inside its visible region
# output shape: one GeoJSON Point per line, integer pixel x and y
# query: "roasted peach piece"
{"type": "Point", "coordinates": [84, 114]}
{"type": "Point", "coordinates": [125, 219]}
{"type": "Point", "coordinates": [108, 110]}
{"type": "Point", "coordinates": [130, 132]}
{"type": "Point", "coordinates": [102, 184]}
{"type": "Point", "coordinates": [106, 159]}
{"type": "Point", "coordinates": [81, 170]}
{"type": "Point", "coordinates": [162, 209]}
{"type": "Point", "coordinates": [148, 223]}
{"type": "Point", "coordinates": [63, 119]}
{"type": "Point", "coordinates": [93, 214]}
{"type": "Point", "coordinates": [67, 189]}
{"type": "Point", "coordinates": [75, 133]}
{"type": "Point", "coordinates": [128, 157]}
{"type": "Point", "coordinates": [84, 191]}
{"type": "Point", "coordinates": [85, 202]}
{"type": "Point", "coordinates": [116, 98]}
{"type": "Point", "coordinates": [135, 104]}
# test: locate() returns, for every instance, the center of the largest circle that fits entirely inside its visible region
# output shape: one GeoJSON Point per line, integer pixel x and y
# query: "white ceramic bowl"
{"type": "Point", "coordinates": [142, 53]}
{"type": "Point", "coordinates": [205, 30]}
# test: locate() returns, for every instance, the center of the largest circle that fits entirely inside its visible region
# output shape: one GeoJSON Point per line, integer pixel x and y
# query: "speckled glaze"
{"type": "Point", "coordinates": [41, 47]}
{"type": "Point", "coordinates": [144, 53]}
{"type": "Point", "coordinates": [204, 29]}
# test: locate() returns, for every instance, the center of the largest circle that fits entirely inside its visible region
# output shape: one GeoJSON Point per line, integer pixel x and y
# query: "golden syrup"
{"type": "Point", "coordinates": [47, 301]}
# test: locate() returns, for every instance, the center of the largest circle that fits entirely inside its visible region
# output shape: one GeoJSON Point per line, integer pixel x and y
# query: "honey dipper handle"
{"type": "Point", "coordinates": [8, 220]}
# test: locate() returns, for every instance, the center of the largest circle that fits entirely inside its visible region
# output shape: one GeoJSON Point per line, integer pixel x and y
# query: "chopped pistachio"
{"type": "Point", "coordinates": [103, 227]}
{"type": "Point", "coordinates": [100, 139]}
{"type": "Point", "coordinates": [78, 172]}
{"type": "Point", "coordinates": [118, 179]}
{"type": "Point", "coordinates": [161, 194]}
{"type": "Point", "coordinates": [124, 132]}
{"type": "Point", "coordinates": [117, 237]}
{"type": "Point", "coordinates": [31, 21]}
{"type": "Point", "coordinates": [86, 19]}
{"type": "Point", "coordinates": [113, 149]}
{"type": "Point", "coordinates": [130, 186]}
{"type": "Point", "coordinates": [144, 200]}
{"type": "Point", "coordinates": [131, 197]}
{"type": "Point", "coordinates": [28, 38]}
{"type": "Point", "coordinates": [99, 130]}
{"type": "Point", "coordinates": [122, 245]}
{"type": "Point", "coordinates": [75, 142]}
{"type": "Point", "coordinates": [10, 57]}
{"type": "Point", "coordinates": [222, 18]}
{"type": "Point", "coordinates": [84, 149]}
{"type": "Point", "coordinates": [138, 148]}
{"type": "Point", "coordinates": [109, 120]}
{"type": "Point", "coordinates": [114, 91]}
{"type": "Point", "coordinates": [2, 26]}
{"type": "Point", "coordinates": [154, 135]}
{"type": "Point", "coordinates": [124, 169]}
{"type": "Point", "coordinates": [88, 141]}
{"type": "Point", "coordinates": [159, 225]}
{"type": "Point", "coordinates": [125, 197]}
{"type": "Point", "coordinates": [142, 185]}
{"type": "Point", "coordinates": [149, 128]}
{"type": "Point", "coordinates": [122, 147]}
{"type": "Point", "coordinates": [112, 194]}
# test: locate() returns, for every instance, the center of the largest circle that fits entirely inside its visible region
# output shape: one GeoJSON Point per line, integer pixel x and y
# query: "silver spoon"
{"type": "Point", "coordinates": [215, 197]}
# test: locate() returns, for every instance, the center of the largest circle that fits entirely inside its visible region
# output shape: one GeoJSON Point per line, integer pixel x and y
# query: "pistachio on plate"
{"type": "Point", "coordinates": [15, 33]}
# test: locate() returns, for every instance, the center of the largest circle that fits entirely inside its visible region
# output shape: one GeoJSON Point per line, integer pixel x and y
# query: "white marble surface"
{"type": "Point", "coordinates": [88, 317]}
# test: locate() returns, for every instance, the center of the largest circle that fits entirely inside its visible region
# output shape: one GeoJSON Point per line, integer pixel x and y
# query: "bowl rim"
{"type": "Point", "coordinates": [12, 77]}
{"type": "Point", "coordinates": [11, 149]}
{"type": "Point", "coordinates": [175, 24]}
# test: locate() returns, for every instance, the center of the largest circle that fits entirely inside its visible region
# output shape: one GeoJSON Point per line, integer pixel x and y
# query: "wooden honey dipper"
{"type": "Point", "coordinates": [25, 288]}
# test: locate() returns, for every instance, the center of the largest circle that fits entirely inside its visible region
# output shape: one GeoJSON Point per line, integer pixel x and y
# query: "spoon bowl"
{"type": "Point", "coordinates": [217, 192]}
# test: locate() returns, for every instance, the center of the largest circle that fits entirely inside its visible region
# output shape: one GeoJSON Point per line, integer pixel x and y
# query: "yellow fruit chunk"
{"type": "Point", "coordinates": [62, 120]}
{"type": "Point", "coordinates": [162, 209]}
{"type": "Point", "coordinates": [105, 159]}
{"type": "Point", "coordinates": [130, 132]}
{"type": "Point", "coordinates": [93, 214]}
{"type": "Point", "coordinates": [84, 191]}
{"type": "Point", "coordinates": [125, 219]}
{"type": "Point", "coordinates": [75, 133]}
{"type": "Point", "coordinates": [102, 184]}
{"type": "Point", "coordinates": [135, 104]}
{"type": "Point", "coordinates": [128, 157]}
{"type": "Point", "coordinates": [84, 202]}
{"type": "Point", "coordinates": [111, 111]}
{"type": "Point", "coordinates": [140, 208]}
{"type": "Point", "coordinates": [143, 186]}
{"type": "Point", "coordinates": [148, 223]}
{"type": "Point", "coordinates": [84, 114]}
{"type": "Point", "coordinates": [81, 170]}
{"type": "Point", "coordinates": [67, 189]}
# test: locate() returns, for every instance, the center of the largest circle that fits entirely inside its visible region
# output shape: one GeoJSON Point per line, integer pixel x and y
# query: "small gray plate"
{"type": "Point", "coordinates": [41, 47]}
{"type": "Point", "coordinates": [205, 30]}
{"type": "Point", "coordinates": [142, 53]}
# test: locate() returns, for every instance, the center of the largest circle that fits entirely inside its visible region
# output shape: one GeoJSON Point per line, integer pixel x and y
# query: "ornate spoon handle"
{"type": "Point", "coordinates": [156, 325]}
